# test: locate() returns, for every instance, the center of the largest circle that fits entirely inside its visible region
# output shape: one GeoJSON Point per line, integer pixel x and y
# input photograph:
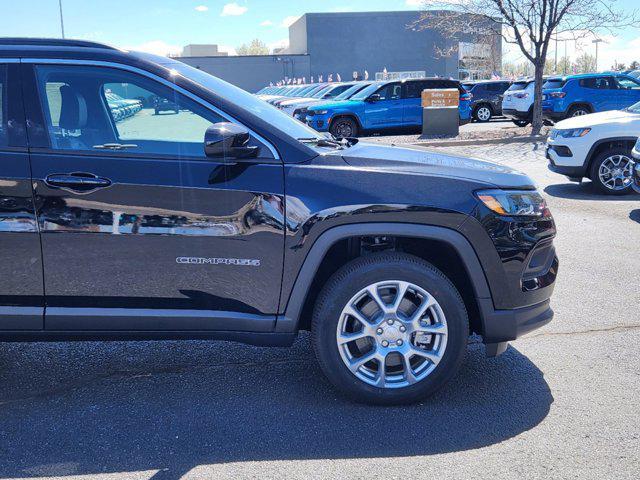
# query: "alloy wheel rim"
{"type": "Point", "coordinates": [484, 113]}
{"type": "Point", "coordinates": [616, 172]}
{"type": "Point", "coordinates": [344, 129]}
{"type": "Point", "coordinates": [579, 113]}
{"type": "Point", "coordinates": [392, 334]}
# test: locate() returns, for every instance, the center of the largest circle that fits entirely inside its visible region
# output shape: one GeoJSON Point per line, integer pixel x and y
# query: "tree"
{"type": "Point", "coordinates": [565, 66]}
{"type": "Point", "coordinates": [586, 63]}
{"type": "Point", "coordinates": [634, 65]}
{"type": "Point", "coordinates": [256, 47]}
{"type": "Point", "coordinates": [529, 24]}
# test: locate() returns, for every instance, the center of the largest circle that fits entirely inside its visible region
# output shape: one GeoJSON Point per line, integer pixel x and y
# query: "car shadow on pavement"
{"type": "Point", "coordinates": [635, 215]}
{"type": "Point", "coordinates": [91, 408]}
{"type": "Point", "coordinates": [584, 191]}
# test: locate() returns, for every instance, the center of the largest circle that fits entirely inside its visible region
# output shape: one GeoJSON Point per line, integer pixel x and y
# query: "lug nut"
{"type": "Point", "coordinates": [399, 343]}
{"type": "Point", "coordinates": [385, 343]}
{"type": "Point", "coordinates": [379, 331]}
{"type": "Point", "coordinates": [390, 321]}
{"type": "Point", "coordinates": [403, 329]}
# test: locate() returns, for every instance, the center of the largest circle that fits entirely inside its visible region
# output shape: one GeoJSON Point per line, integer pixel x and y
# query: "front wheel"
{"type": "Point", "coordinates": [612, 172]}
{"type": "Point", "coordinates": [521, 123]}
{"type": "Point", "coordinates": [344, 127]}
{"type": "Point", "coordinates": [578, 111]}
{"type": "Point", "coordinates": [483, 113]}
{"type": "Point", "coordinates": [389, 328]}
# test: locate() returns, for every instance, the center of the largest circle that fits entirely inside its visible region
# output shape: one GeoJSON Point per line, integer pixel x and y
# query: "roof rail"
{"type": "Point", "coordinates": [52, 42]}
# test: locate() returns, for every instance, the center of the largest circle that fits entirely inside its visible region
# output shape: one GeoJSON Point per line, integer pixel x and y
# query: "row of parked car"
{"type": "Point", "coordinates": [122, 108]}
{"type": "Point", "coordinates": [350, 109]}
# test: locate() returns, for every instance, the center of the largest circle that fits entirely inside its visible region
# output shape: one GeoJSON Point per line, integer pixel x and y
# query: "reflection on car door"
{"type": "Point", "coordinates": [386, 112]}
{"type": "Point", "coordinates": [21, 292]}
{"type": "Point", "coordinates": [140, 231]}
{"type": "Point", "coordinates": [412, 103]}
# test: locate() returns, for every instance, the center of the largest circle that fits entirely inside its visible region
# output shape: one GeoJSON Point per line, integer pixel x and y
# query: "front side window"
{"type": "Point", "coordinates": [392, 91]}
{"type": "Point", "coordinates": [106, 109]}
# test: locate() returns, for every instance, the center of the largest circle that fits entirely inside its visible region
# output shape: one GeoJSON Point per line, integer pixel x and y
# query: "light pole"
{"type": "Point", "coordinates": [597, 41]}
{"type": "Point", "coordinates": [61, 20]}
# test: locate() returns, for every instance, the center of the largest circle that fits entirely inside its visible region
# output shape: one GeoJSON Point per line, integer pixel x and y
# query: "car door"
{"type": "Point", "coordinates": [387, 111]}
{"type": "Point", "coordinates": [140, 230]}
{"type": "Point", "coordinates": [412, 103]}
{"type": "Point", "coordinates": [628, 92]}
{"type": "Point", "coordinates": [21, 292]}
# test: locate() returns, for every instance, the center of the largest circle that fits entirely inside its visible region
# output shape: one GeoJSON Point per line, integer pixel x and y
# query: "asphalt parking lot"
{"type": "Point", "coordinates": [560, 403]}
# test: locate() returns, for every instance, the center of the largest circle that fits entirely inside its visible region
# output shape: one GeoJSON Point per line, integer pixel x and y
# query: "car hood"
{"type": "Point", "coordinates": [336, 104]}
{"type": "Point", "coordinates": [600, 118]}
{"type": "Point", "coordinates": [424, 162]}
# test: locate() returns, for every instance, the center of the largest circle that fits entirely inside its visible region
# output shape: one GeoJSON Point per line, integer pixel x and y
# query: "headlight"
{"type": "Point", "coordinates": [321, 112]}
{"type": "Point", "coordinates": [572, 132]}
{"type": "Point", "coordinates": [515, 203]}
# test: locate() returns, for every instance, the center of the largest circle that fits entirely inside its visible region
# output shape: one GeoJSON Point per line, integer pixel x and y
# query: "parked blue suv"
{"type": "Point", "coordinates": [575, 95]}
{"type": "Point", "coordinates": [382, 105]}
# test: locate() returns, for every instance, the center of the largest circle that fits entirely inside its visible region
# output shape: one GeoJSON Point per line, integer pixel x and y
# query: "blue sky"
{"type": "Point", "coordinates": [165, 26]}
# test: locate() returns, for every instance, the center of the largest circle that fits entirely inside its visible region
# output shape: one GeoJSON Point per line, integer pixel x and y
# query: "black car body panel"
{"type": "Point", "coordinates": [489, 93]}
{"type": "Point", "coordinates": [170, 246]}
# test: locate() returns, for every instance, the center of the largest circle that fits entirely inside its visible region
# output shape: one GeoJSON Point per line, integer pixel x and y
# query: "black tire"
{"type": "Point", "coordinates": [483, 113]}
{"type": "Point", "coordinates": [578, 110]}
{"type": "Point", "coordinates": [157, 112]}
{"type": "Point", "coordinates": [521, 123]}
{"type": "Point", "coordinates": [360, 273]}
{"type": "Point", "coordinates": [343, 127]}
{"type": "Point", "coordinates": [176, 111]}
{"type": "Point", "coordinates": [595, 170]}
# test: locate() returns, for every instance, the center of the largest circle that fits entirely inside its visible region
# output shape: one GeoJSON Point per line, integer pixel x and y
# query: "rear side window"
{"type": "Point", "coordinates": [4, 137]}
{"type": "Point", "coordinates": [597, 83]}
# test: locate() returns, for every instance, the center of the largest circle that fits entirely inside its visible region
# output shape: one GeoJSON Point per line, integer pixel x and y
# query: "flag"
{"type": "Point", "coordinates": [338, 77]}
{"type": "Point", "coordinates": [330, 78]}
{"type": "Point", "coordinates": [366, 75]}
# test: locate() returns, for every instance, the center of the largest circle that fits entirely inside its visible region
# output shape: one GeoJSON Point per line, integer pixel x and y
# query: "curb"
{"type": "Point", "coordinates": [489, 141]}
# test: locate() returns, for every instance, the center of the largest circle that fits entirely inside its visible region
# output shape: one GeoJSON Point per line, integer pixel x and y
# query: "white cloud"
{"type": "Point", "coordinates": [266, 23]}
{"type": "Point", "coordinates": [288, 21]}
{"type": "Point", "coordinates": [157, 47]}
{"type": "Point", "coordinates": [233, 10]}
{"type": "Point", "coordinates": [284, 43]}
{"type": "Point", "coordinates": [201, 8]}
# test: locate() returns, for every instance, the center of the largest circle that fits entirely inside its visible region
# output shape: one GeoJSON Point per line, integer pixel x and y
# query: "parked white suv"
{"type": "Point", "coordinates": [597, 146]}
{"type": "Point", "coordinates": [517, 102]}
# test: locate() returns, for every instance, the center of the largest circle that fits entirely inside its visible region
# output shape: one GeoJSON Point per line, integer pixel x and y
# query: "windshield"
{"type": "Point", "coordinates": [236, 95]}
{"type": "Point", "coordinates": [351, 91]}
{"type": "Point", "coordinates": [553, 84]}
{"type": "Point", "coordinates": [635, 108]}
{"type": "Point", "coordinates": [365, 92]}
{"type": "Point", "coordinates": [322, 91]}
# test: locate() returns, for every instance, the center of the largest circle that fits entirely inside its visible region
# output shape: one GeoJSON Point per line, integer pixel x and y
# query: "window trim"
{"type": "Point", "coordinates": [151, 76]}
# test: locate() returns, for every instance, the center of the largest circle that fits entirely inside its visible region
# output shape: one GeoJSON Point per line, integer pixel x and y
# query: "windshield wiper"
{"type": "Point", "coordinates": [326, 142]}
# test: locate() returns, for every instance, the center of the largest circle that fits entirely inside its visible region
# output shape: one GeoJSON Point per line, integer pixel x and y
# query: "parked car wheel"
{"type": "Point", "coordinates": [612, 172]}
{"type": "Point", "coordinates": [483, 113]}
{"type": "Point", "coordinates": [389, 328]}
{"type": "Point", "coordinates": [578, 111]}
{"type": "Point", "coordinates": [344, 127]}
{"type": "Point", "coordinates": [521, 123]}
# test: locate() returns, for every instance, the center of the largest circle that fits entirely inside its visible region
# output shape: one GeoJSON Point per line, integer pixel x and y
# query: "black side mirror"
{"type": "Point", "coordinates": [374, 98]}
{"type": "Point", "coordinates": [228, 140]}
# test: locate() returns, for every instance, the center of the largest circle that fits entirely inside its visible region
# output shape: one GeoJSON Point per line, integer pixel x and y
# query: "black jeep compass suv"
{"type": "Point", "coordinates": [231, 220]}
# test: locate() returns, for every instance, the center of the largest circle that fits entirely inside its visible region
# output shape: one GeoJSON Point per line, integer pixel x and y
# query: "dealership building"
{"type": "Point", "coordinates": [347, 44]}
